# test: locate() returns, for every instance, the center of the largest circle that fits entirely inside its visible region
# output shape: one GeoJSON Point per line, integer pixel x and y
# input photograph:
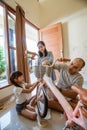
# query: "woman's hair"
{"type": "Point", "coordinates": [45, 51]}
{"type": "Point", "coordinates": [15, 75]}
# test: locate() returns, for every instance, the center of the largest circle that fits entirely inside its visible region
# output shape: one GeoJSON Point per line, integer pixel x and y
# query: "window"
{"type": "Point", "coordinates": [8, 59]}
{"type": "Point", "coordinates": [8, 48]}
{"type": "Point", "coordinates": [12, 43]}
{"type": "Point", "coordinates": [31, 41]}
{"type": "Point", "coordinates": [3, 58]}
{"type": "Point", "coordinates": [31, 38]}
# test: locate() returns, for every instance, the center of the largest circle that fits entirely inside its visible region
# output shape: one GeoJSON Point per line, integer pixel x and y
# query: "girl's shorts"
{"type": "Point", "coordinates": [20, 107]}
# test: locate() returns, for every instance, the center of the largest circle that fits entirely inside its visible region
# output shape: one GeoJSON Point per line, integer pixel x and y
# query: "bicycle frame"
{"type": "Point", "coordinates": [71, 114]}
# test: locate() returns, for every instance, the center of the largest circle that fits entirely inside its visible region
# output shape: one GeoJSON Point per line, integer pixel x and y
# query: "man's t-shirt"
{"type": "Point", "coordinates": [66, 80]}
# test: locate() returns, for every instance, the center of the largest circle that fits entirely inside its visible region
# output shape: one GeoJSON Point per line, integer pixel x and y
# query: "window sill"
{"type": "Point", "coordinates": [4, 85]}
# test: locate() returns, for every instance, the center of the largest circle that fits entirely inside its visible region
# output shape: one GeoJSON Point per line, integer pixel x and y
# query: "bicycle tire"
{"type": "Point", "coordinates": [42, 112]}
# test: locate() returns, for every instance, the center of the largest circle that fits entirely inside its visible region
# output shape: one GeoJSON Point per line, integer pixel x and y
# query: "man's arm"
{"type": "Point", "coordinates": [69, 93]}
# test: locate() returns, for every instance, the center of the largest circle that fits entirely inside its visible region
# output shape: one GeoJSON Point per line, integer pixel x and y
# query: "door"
{"type": "Point", "coordinates": [52, 36]}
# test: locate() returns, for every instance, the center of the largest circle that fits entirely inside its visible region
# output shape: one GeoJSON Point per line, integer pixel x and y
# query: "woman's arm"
{"type": "Point", "coordinates": [33, 54]}
{"type": "Point", "coordinates": [50, 60]}
{"type": "Point", "coordinates": [51, 57]}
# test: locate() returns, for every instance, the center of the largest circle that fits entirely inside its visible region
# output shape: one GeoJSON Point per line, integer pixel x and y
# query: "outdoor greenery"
{"type": "Point", "coordinates": [2, 63]}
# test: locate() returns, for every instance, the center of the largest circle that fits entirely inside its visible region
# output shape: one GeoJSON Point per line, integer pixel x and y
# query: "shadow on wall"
{"type": "Point", "coordinates": [65, 39]}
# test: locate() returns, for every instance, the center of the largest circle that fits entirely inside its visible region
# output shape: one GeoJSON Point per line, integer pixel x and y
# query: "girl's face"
{"type": "Point", "coordinates": [20, 79]}
{"type": "Point", "coordinates": [41, 48]}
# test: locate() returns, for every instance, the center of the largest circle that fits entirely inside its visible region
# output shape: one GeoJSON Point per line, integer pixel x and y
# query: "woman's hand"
{"type": "Point", "coordinates": [40, 80]}
{"type": "Point", "coordinates": [33, 54]}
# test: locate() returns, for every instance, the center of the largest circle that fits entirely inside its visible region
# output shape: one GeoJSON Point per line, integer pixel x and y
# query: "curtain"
{"type": "Point", "coordinates": [21, 43]}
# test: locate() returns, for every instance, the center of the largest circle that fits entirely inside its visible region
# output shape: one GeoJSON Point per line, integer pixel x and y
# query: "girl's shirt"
{"type": "Point", "coordinates": [20, 97]}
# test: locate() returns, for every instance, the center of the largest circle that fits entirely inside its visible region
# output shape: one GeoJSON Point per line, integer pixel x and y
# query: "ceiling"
{"type": "Point", "coordinates": [43, 12]}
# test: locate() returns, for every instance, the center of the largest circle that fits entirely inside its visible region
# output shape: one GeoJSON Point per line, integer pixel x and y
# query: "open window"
{"type": "Point", "coordinates": [3, 57]}
{"type": "Point", "coordinates": [8, 59]}
{"type": "Point", "coordinates": [31, 42]}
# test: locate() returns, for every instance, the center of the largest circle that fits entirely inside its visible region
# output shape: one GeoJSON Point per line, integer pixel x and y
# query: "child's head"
{"type": "Point", "coordinates": [17, 78]}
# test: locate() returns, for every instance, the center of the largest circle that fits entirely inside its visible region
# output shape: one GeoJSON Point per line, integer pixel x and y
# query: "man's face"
{"type": "Point", "coordinates": [75, 66]}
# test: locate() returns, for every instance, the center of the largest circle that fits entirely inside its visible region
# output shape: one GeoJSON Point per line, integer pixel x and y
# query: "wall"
{"type": "Point", "coordinates": [75, 37]}
{"type": "Point", "coordinates": [51, 10]}
{"type": "Point", "coordinates": [44, 12]}
{"type": "Point", "coordinates": [6, 92]}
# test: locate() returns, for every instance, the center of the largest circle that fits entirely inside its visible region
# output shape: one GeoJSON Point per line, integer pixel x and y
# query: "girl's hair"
{"type": "Point", "coordinates": [15, 75]}
{"type": "Point", "coordinates": [45, 51]}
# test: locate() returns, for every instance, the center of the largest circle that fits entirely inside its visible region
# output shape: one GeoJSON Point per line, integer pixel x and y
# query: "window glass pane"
{"type": "Point", "coordinates": [31, 41]}
{"type": "Point", "coordinates": [12, 15]}
{"type": "Point", "coordinates": [31, 38]}
{"type": "Point", "coordinates": [11, 29]}
{"type": "Point", "coordinates": [13, 60]}
{"type": "Point", "coordinates": [3, 60]}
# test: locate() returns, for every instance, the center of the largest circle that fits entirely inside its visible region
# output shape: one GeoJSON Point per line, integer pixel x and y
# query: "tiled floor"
{"type": "Point", "coordinates": [9, 120]}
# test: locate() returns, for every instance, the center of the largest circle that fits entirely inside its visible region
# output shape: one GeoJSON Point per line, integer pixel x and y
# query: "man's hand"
{"type": "Point", "coordinates": [46, 63]}
{"type": "Point", "coordinates": [63, 59]}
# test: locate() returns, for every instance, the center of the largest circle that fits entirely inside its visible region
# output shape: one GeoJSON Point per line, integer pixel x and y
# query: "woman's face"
{"type": "Point", "coordinates": [41, 48]}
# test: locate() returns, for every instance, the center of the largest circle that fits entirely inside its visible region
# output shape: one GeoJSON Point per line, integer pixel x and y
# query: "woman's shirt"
{"type": "Point", "coordinates": [40, 70]}
{"type": "Point", "coordinates": [49, 58]}
{"type": "Point", "coordinates": [20, 97]}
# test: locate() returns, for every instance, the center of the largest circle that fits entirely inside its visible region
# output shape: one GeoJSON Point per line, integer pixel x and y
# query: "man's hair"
{"type": "Point", "coordinates": [80, 59]}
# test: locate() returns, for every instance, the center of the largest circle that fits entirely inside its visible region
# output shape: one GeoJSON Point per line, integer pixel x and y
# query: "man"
{"type": "Point", "coordinates": [69, 75]}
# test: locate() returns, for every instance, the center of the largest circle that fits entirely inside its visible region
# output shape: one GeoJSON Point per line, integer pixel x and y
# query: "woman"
{"type": "Point", "coordinates": [45, 57]}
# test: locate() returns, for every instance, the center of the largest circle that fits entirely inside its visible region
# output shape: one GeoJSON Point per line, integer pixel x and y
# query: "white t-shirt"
{"type": "Point", "coordinates": [20, 97]}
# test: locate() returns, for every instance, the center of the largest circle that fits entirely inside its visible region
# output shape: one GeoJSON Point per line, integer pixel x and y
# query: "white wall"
{"type": "Point", "coordinates": [6, 92]}
{"type": "Point", "coordinates": [44, 12]}
{"type": "Point", "coordinates": [75, 37]}
{"type": "Point", "coordinates": [51, 10]}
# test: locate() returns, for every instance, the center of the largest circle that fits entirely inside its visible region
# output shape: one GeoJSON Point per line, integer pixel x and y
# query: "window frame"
{"type": "Point", "coordinates": [6, 13]}
{"type": "Point", "coordinates": [7, 9]}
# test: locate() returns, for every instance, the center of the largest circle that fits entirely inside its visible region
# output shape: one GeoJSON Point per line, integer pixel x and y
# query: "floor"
{"type": "Point", "coordinates": [9, 120]}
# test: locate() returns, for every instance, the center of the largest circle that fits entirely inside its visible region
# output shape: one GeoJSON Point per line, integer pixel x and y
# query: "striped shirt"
{"type": "Point", "coordinates": [39, 70]}
{"type": "Point", "coordinates": [66, 80]}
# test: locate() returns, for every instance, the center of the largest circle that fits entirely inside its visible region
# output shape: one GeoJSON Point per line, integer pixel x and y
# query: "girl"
{"type": "Point", "coordinates": [20, 90]}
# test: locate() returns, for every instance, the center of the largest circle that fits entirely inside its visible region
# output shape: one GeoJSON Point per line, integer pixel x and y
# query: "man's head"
{"type": "Point", "coordinates": [76, 65]}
